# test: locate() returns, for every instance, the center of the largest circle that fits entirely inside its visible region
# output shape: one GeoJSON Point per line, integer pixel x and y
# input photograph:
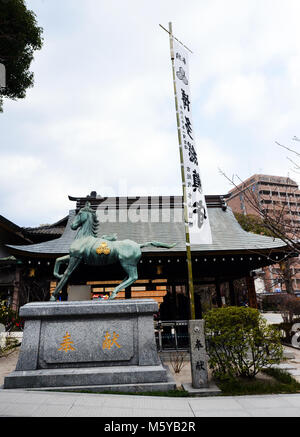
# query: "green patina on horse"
{"type": "Point", "coordinates": [95, 251]}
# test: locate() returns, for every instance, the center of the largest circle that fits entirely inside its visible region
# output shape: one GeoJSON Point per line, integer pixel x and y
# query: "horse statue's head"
{"type": "Point", "coordinates": [87, 220]}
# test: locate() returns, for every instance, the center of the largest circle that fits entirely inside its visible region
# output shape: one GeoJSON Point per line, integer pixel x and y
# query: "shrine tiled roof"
{"type": "Point", "coordinates": [227, 234]}
{"type": "Point", "coordinates": [53, 229]}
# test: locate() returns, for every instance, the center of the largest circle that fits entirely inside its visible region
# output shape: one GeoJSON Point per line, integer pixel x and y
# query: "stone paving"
{"type": "Point", "coordinates": [17, 403]}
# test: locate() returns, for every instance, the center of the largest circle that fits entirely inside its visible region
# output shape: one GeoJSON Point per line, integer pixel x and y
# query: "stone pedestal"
{"type": "Point", "coordinates": [198, 354]}
{"type": "Point", "coordinates": [99, 345]}
{"type": "Point", "coordinates": [200, 385]}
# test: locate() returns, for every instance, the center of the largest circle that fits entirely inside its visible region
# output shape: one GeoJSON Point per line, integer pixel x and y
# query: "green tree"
{"type": "Point", "coordinates": [20, 36]}
{"type": "Point", "coordinates": [253, 223]}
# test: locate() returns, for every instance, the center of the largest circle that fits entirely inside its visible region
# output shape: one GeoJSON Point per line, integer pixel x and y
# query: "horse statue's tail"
{"type": "Point", "coordinates": [158, 244]}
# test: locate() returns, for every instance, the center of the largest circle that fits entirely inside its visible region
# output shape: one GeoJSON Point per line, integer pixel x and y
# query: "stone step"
{"type": "Point", "coordinates": [295, 372]}
{"type": "Point", "coordinates": [288, 354]}
{"type": "Point", "coordinates": [120, 388]}
{"type": "Point", "coordinates": [284, 366]}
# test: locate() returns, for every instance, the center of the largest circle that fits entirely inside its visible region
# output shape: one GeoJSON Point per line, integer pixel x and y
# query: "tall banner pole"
{"type": "Point", "coordinates": [196, 221]}
{"type": "Point", "coordinates": [186, 220]}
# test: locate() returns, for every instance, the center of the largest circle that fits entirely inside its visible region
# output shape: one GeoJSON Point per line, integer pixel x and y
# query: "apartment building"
{"type": "Point", "coordinates": [279, 197]}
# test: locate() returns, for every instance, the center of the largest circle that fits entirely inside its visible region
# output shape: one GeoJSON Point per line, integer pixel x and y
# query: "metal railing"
{"type": "Point", "coordinates": [171, 335]}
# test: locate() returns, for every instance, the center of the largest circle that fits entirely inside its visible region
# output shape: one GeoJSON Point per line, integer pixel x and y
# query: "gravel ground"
{"type": "Point", "coordinates": [8, 364]}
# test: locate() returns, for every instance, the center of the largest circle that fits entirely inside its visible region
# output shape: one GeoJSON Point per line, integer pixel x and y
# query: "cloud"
{"type": "Point", "coordinates": [101, 115]}
{"type": "Point", "coordinates": [243, 97]}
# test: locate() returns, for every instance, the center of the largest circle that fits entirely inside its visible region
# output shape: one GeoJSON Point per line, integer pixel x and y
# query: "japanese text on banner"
{"type": "Point", "coordinates": [199, 227]}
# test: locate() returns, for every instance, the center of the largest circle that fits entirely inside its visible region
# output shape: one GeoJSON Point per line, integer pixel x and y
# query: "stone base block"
{"type": "Point", "coordinates": [89, 344]}
{"type": "Point", "coordinates": [211, 390]}
{"type": "Point", "coordinates": [88, 377]}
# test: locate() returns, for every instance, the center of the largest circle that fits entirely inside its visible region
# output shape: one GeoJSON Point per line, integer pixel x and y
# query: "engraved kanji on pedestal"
{"type": "Point", "coordinates": [198, 354]}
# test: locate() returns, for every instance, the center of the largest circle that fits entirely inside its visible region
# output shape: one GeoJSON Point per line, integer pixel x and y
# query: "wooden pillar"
{"type": "Point", "coordinates": [174, 304]}
{"type": "Point", "coordinates": [198, 307]}
{"type": "Point", "coordinates": [128, 293]}
{"type": "Point", "coordinates": [218, 294]}
{"type": "Point", "coordinates": [252, 301]}
{"type": "Point", "coordinates": [53, 285]}
{"type": "Point", "coordinates": [231, 293]}
{"type": "Point", "coordinates": [16, 297]}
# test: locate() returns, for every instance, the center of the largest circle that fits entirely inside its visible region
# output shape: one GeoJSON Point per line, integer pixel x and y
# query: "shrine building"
{"type": "Point", "coordinates": [223, 272]}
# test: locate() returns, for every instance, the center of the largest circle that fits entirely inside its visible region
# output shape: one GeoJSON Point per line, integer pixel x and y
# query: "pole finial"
{"type": "Point", "coordinates": [170, 32]}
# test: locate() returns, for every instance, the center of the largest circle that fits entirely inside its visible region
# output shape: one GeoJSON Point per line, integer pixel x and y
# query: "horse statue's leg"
{"type": "Point", "coordinates": [58, 263]}
{"type": "Point", "coordinates": [132, 277]}
{"type": "Point", "coordinates": [73, 263]}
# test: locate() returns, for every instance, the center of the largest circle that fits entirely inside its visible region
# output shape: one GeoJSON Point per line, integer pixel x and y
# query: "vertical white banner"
{"type": "Point", "coordinates": [199, 226]}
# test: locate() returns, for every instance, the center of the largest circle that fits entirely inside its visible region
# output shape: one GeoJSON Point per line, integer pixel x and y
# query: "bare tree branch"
{"type": "Point", "coordinates": [278, 217]}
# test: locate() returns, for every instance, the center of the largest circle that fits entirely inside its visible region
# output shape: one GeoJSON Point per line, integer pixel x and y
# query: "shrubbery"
{"type": "Point", "coordinates": [270, 302]}
{"type": "Point", "coordinates": [240, 343]}
{"type": "Point", "coordinates": [289, 307]}
{"type": "Point", "coordinates": [9, 318]}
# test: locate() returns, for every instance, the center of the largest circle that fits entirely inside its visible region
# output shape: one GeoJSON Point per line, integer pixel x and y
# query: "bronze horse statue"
{"type": "Point", "coordinates": [95, 251]}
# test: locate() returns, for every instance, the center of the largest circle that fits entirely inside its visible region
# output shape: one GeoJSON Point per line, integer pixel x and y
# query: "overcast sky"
{"type": "Point", "coordinates": [101, 115]}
